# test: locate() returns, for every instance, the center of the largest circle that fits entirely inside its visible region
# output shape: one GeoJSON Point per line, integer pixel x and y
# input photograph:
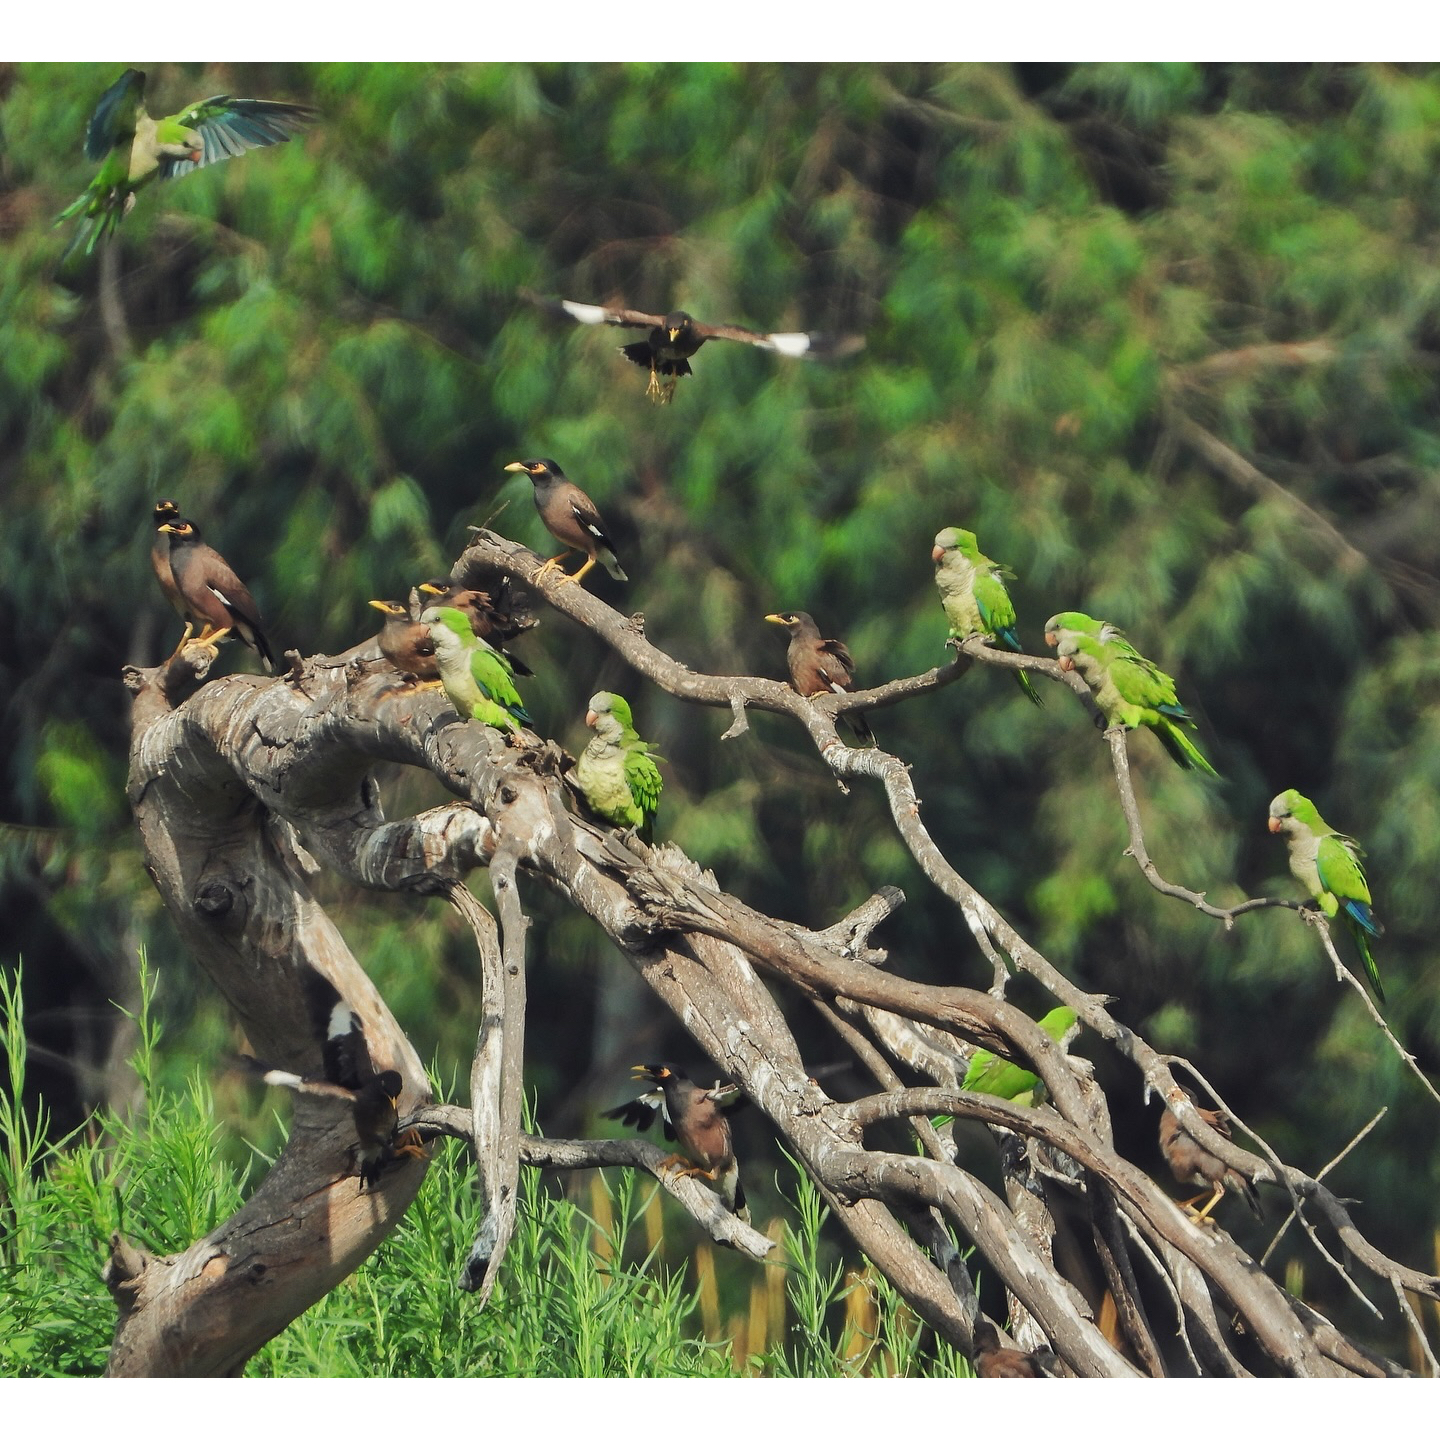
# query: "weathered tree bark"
{"type": "Point", "coordinates": [236, 787]}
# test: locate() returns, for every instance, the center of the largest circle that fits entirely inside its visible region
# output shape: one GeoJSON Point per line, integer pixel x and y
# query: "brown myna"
{"type": "Point", "coordinates": [493, 621]}
{"type": "Point", "coordinates": [165, 512]}
{"type": "Point", "coordinates": [675, 337]}
{"type": "Point", "coordinates": [211, 592]}
{"type": "Point", "coordinates": [993, 1362]}
{"type": "Point", "coordinates": [818, 665]}
{"type": "Point", "coordinates": [571, 517]}
{"type": "Point", "coordinates": [1192, 1164]}
{"type": "Point", "coordinates": [350, 1076]}
{"type": "Point", "coordinates": [406, 643]}
{"type": "Point", "coordinates": [693, 1117]}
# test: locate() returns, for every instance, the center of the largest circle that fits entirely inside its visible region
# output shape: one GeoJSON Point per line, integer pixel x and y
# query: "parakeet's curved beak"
{"type": "Point", "coordinates": [1274, 825]}
{"type": "Point", "coordinates": [937, 554]}
{"type": "Point", "coordinates": [590, 718]}
{"type": "Point", "coordinates": [1067, 662]}
{"type": "Point", "coordinates": [1052, 638]}
{"type": "Point", "coordinates": [518, 465]}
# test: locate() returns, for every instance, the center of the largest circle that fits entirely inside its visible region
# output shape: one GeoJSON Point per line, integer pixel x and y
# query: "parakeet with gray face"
{"type": "Point", "coordinates": [990, 1074]}
{"type": "Point", "coordinates": [1129, 689]}
{"type": "Point", "coordinates": [972, 590]}
{"type": "Point", "coordinates": [616, 771]}
{"type": "Point", "coordinates": [1331, 867]}
{"type": "Point", "coordinates": [135, 148]}
{"type": "Point", "coordinates": [477, 679]}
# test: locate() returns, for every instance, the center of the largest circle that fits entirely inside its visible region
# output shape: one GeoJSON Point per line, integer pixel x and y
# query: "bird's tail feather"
{"type": "Point", "coordinates": [1182, 749]}
{"type": "Point", "coordinates": [1028, 686]}
{"type": "Point", "coordinates": [611, 564]}
{"type": "Point", "coordinates": [1372, 970]}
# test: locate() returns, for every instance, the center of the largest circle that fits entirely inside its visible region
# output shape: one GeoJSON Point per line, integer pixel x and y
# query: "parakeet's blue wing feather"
{"type": "Point", "coordinates": [228, 127]}
{"type": "Point", "coordinates": [114, 117]}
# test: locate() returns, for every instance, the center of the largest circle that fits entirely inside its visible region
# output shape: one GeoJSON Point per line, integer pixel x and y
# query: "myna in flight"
{"type": "Point", "coordinates": [494, 621]}
{"type": "Point", "coordinates": [616, 771]}
{"type": "Point", "coordinates": [675, 337]}
{"type": "Point", "coordinates": [571, 517]}
{"type": "Point", "coordinates": [407, 644]}
{"type": "Point", "coordinates": [693, 1117]}
{"type": "Point", "coordinates": [135, 148]}
{"type": "Point", "coordinates": [477, 677]}
{"type": "Point", "coordinates": [818, 665]}
{"type": "Point", "coordinates": [212, 594]}
{"type": "Point", "coordinates": [1191, 1164]}
{"type": "Point", "coordinates": [349, 1076]}
{"type": "Point", "coordinates": [994, 1362]}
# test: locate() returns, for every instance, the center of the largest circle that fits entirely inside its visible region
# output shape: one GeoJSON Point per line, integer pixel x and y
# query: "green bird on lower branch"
{"type": "Point", "coordinates": [989, 1074]}
{"type": "Point", "coordinates": [616, 771]}
{"type": "Point", "coordinates": [1331, 867]}
{"type": "Point", "coordinates": [478, 679]}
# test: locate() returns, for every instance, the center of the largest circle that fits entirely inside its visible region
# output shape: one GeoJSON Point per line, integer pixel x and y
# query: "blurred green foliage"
{"type": "Point", "coordinates": [1060, 271]}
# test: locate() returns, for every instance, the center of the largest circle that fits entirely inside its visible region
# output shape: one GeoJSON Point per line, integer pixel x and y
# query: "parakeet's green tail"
{"type": "Point", "coordinates": [1372, 971]}
{"type": "Point", "coordinates": [1028, 686]}
{"type": "Point", "coordinates": [1182, 748]}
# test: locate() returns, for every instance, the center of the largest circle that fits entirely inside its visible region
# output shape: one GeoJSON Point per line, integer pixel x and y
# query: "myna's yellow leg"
{"type": "Point", "coordinates": [553, 563]}
{"type": "Point", "coordinates": [1201, 1217]}
{"type": "Point", "coordinates": [652, 390]}
{"type": "Point", "coordinates": [667, 391]}
{"type": "Point", "coordinates": [582, 571]}
{"type": "Point", "coordinates": [683, 1167]}
{"type": "Point", "coordinates": [412, 1145]}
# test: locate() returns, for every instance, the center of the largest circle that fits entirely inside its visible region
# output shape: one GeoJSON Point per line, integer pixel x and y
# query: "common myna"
{"type": "Point", "coordinates": [476, 677]}
{"type": "Point", "coordinates": [165, 512]}
{"type": "Point", "coordinates": [818, 666]}
{"type": "Point", "coordinates": [406, 643]}
{"type": "Point", "coordinates": [494, 621]}
{"type": "Point", "coordinates": [213, 595]}
{"type": "Point", "coordinates": [994, 1362]}
{"type": "Point", "coordinates": [349, 1075]}
{"type": "Point", "coordinates": [571, 517]}
{"type": "Point", "coordinates": [616, 771]}
{"type": "Point", "coordinates": [972, 590]}
{"type": "Point", "coordinates": [135, 148]}
{"type": "Point", "coordinates": [693, 1117]}
{"type": "Point", "coordinates": [1191, 1164]}
{"type": "Point", "coordinates": [1331, 866]}
{"type": "Point", "coordinates": [675, 337]}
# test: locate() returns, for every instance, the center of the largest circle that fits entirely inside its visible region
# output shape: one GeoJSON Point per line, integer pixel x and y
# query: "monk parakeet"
{"type": "Point", "coordinates": [1129, 689]}
{"type": "Point", "coordinates": [990, 1075]}
{"type": "Point", "coordinates": [477, 679]}
{"type": "Point", "coordinates": [1067, 622]}
{"type": "Point", "coordinates": [616, 772]}
{"type": "Point", "coordinates": [972, 590]}
{"type": "Point", "coordinates": [135, 148]}
{"type": "Point", "coordinates": [1330, 866]}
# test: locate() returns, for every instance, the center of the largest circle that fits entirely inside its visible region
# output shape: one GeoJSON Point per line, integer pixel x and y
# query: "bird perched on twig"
{"type": "Point", "coordinates": [136, 149]}
{"type": "Point", "coordinates": [974, 597]}
{"type": "Point", "coordinates": [211, 593]}
{"type": "Point", "coordinates": [571, 517]}
{"type": "Point", "coordinates": [818, 666]}
{"type": "Point", "coordinates": [693, 1117]}
{"type": "Point", "coordinates": [616, 771]}
{"type": "Point", "coordinates": [994, 1362]}
{"type": "Point", "coordinates": [1331, 866]}
{"type": "Point", "coordinates": [1129, 689]}
{"type": "Point", "coordinates": [349, 1075]}
{"type": "Point", "coordinates": [476, 677]}
{"type": "Point", "coordinates": [407, 644]}
{"type": "Point", "coordinates": [675, 337]}
{"type": "Point", "coordinates": [1192, 1164]}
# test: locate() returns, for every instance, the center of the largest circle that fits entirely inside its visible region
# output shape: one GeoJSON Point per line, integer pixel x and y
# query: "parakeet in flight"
{"type": "Point", "coordinates": [972, 590]}
{"type": "Point", "coordinates": [1331, 867]}
{"type": "Point", "coordinates": [616, 771]}
{"type": "Point", "coordinates": [135, 148]}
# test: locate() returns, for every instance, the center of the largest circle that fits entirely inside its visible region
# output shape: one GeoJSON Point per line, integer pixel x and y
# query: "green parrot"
{"type": "Point", "coordinates": [477, 679]}
{"type": "Point", "coordinates": [1072, 622]}
{"type": "Point", "coordinates": [990, 1075]}
{"type": "Point", "coordinates": [972, 590]}
{"type": "Point", "coordinates": [1330, 866]}
{"type": "Point", "coordinates": [1129, 689]}
{"type": "Point", "coordinates": [616, 771]}
{"type": "Point", "coordinates": [135, 148]}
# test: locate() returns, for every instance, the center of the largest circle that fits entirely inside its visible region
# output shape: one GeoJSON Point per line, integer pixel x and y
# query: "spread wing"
{"type": "Point", "coordinates": [642, 1112]}
{"type": "Point", "coordinates": [592, 314]}
{"type": "Point", "coordinates": [812, 346]}
{"type": "Point", "coordinates": [228, 127]}
{"type": "Point", "coordinates": [113, 122]}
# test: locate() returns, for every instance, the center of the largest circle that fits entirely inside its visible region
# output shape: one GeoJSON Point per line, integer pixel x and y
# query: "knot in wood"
{"type": "Point", "coordinates": [214, 899]}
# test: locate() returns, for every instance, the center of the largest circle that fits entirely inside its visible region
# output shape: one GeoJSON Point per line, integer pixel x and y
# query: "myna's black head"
{"type": "Point", "coordinates": [390, 608]}
{"type": "Point", "coordinates": [391, 1083]}
{"type": "Point", "coordinates": [165, 511]}
{"type": "Point", "coordinates": [659, 1073]}
{"type": "Point", "coordinates": [677, 323]}
{"type": "Point", "coordinates": [541, 472]}
{"type": "Point", "coordinates": [797, 622]}
{"type": "Point", "coordinates": [180, 531]}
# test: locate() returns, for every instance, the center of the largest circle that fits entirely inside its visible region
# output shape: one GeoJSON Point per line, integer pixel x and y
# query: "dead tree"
{"type": "Point", "coordinates": [243, 788]}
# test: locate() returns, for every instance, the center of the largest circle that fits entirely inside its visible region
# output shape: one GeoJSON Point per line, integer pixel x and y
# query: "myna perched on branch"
{"type": "Point", "coordinates": [211, 592]}
{"type": "Point", "coordinates": [616, 771]}
{"type": "Point", "coordinates": [675, 337]}
{"type": "Point", "coordinates": [136, 149]}
{"type": "Point", "coordinates": [407, 644]}
{"type": "Point", "coordinates": [571, 517]}
{"type": "Point", "coordinates": [477, 678]}
{"type": "Point", "coordinates": [1192, 1164]}
{"type": "Point", "coordinates": [693, 1117]}
{"type": "Point", "coordinates": [976, 602]}
{"type": "Point", "coordinates": [818, 666]}
{"type": "Point", "coordinates": [349, 1075]}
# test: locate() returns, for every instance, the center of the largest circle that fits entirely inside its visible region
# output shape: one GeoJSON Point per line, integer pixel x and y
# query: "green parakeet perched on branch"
{"type": "Point", "coordinates": [972, 590]}
{"type": "Point", "coordinates": [477, 679]}
{"type": "Point", "coordinates": [135, 148]}
{"type": "Point", "coordinates": [1330, 866]}
{"type": "Point", "coordinates": [990, 1075]}
{"type": "Point", "coordinates": [616, 771]}
{"type": "Point", "coordinates": [1129, 689]}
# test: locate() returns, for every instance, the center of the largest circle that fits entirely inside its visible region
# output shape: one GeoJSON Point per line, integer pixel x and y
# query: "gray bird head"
{"type": "Point", "coordinates": [542, 473]}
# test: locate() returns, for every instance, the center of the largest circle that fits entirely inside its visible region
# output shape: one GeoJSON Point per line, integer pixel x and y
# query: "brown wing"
{"type": "Point", "coordinates": [580, 510]}
{"type": "Point", "coordinates": [812, 346]}
{"type": "Point", "coordinates": [583, 314]}
{"type": "Point", "coordinates": [838, 650]}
